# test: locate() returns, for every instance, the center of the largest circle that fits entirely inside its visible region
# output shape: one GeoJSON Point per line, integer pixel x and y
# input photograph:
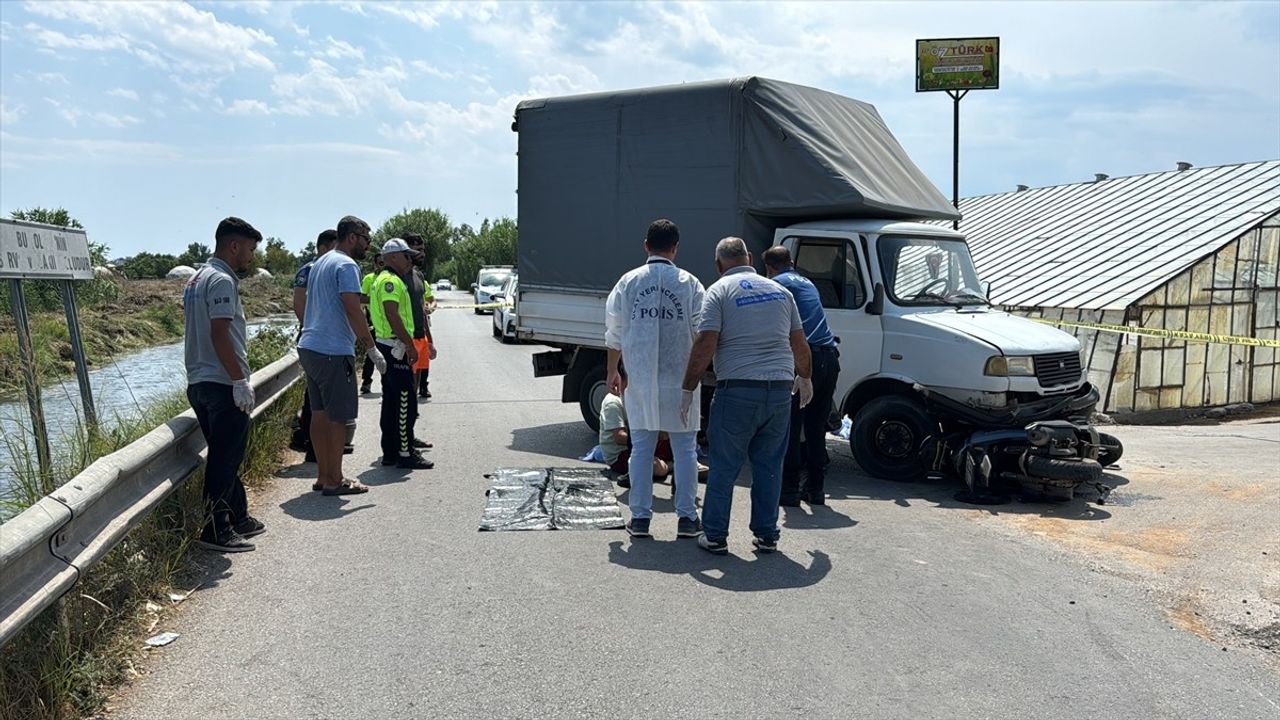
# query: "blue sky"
{"type": "Point", "coordinates": [150, 122]}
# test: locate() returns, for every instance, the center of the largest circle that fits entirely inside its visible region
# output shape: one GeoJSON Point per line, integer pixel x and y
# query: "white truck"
{"type": "Point", "coordinates": [933, 377]}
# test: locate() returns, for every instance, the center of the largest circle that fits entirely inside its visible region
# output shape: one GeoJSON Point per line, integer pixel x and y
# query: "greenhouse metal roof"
{"type": "Point", "coordinates": [1105, 244]}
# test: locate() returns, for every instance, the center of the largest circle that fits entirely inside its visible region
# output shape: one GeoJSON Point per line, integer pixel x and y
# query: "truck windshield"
{"type": "Point", "coordinates": [491, 278]}
{"type": "Point", "coordinates": [929, 271]}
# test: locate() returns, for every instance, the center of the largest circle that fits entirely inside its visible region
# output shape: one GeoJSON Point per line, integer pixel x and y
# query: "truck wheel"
{"type": "Point", "coordinates": [1111, 451]}
{"type": "Point", "coordinates": [591, 395]}
{"type": "Point", "coordinates": [887, 436]}
{"type": "Point", "coordinates": [496, 332]}
{"type": "Point", "coordinates": [1077, 471]}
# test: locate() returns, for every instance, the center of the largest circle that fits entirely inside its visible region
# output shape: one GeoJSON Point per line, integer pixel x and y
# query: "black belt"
{"type": "Point", "coordinates": [823, 348]}
{"type": "Point", "coordinates": [764, 384]}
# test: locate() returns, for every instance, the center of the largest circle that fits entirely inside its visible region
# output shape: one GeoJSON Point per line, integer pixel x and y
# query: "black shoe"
{"type": "Point", "coordinates": [365, 388]}
{"type": "Point", "coordinates": [425, 394]}
{"type": "Point", "coordinates": [624, 480]}
{"type": "Point", "coordinates": [422, 444]}
{"type": "Point", "coordinates": [789, 502]}
{"type": "Point", "coordinates": [715, 547]}
{"type": "Point", "coordinates": [817, 500]}
{"type": "Point", "coordinates": [638, 528]}
{"type": "Point", "coordinates": [765, 546]}
{"type": "Point", "coordinates": [310, 456]}
{"type": "Point", "coordinates": [348, 449]}
{"type": "Point", "coordinates": [389, 460]}
{"type": "Point", "coordinates": [249, 527]}
{"type": "Point", "coordinates": [298, 443]}
{"type": "Point", "coordinates": [228, 542]}
{"type": "Point", "coordinates": [688, 528]}
{"type": "Point", "coordinates": [414, 461]}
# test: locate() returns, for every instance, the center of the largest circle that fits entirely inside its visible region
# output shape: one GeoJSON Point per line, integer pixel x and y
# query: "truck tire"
{"type": "Point", "coordinates": [1111, 451]}
{"type": "Point", "coordinates": [591, 394]}
{"type": "Point", "coordinates": [887, 435]}
{"type": "Point", "coordinates": [496, 332]}
{"type": "Point", "coordinates": [1076, 471]}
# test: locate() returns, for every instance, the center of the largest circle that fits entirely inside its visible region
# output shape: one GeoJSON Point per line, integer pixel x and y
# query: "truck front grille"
{"type": "Point", "coordinates": [1058, 369]}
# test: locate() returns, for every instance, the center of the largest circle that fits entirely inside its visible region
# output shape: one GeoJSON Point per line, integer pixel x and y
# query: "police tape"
{"type": "Point", "coordinates": [1166, 334]}
{"type": "Point", "coordinates": [480, 306]}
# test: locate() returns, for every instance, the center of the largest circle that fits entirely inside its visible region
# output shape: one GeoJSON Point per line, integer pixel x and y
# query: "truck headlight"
{"type": "Point", "coordinates": [1017, 366]}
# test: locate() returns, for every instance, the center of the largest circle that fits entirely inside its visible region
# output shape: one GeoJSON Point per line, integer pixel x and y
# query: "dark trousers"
{"type": "Point", "coordinates": [399, 406]}
{"type": "Point", "coordinates": [811, 455]}
{"type": "Point", "coordinates": [226, 431]}
{"type": "Point", "coordinates": [302, 437]}
{"type": "Point", "coordinates": [366, 372]}
{"type": "Point", "coordinates": [422, 385]}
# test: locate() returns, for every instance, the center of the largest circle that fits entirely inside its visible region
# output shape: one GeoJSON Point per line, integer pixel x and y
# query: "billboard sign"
{"type": "Point", "coordinates": [37, 251]}
{"type": "Point", "coordinates": [958, 64]}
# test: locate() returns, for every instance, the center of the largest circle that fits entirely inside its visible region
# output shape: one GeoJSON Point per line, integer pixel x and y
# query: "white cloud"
{"type": "Point", "coordinates": [339, 50]}
{"type": "Point", "coordinates": [172, 33]}
{"type": "Point", "coordinates": [11, 114]}
{"type": "Point", "coordinates": [46, 149]}
{"type": "Point", "coordinates": [73, 116]}
{"type": "Point", "coordinates": [247, 107]}
{"type": "Point", "coordinates": [427, 15]}
{"type": "Point", "coordinates": [124, 93]}
{"type": "Point", "coordinates": [428, 69]}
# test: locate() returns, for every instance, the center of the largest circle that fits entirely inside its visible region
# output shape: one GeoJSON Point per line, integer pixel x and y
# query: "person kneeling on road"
{"type": "Point", "coordinates": [615, 443]}
{"type": "Point", "coordinates": [391, 308]}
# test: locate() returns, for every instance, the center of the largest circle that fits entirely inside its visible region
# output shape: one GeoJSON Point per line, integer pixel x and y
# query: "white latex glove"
{"type": "Point", "coordinates": [686, 402]}
{"type": "Point", "coordinates": [803, 387]}
{"type": "Point", "coordinates": [242, 395]}
{"type": "Point", "coordinates": [379, 362]}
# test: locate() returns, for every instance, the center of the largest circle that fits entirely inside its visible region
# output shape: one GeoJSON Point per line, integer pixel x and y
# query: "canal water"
{"type": "Point", "coordinates": [122, 388]}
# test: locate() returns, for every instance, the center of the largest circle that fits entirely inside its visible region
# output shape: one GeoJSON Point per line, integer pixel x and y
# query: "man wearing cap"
{"type": "Point", "coordinates": [391, 307]}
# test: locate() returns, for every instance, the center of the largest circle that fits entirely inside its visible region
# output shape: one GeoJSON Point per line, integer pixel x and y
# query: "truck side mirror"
{"type": "Point", "coordinates": [986, 289]}
{"type": "Point", "coordinates": [474, 286]}
{"type": "Point", "coordinates": [876, 306]}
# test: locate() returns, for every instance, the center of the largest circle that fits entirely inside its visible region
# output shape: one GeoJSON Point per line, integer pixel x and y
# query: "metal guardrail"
{"type": "Point", "coordinates": [44, 549]}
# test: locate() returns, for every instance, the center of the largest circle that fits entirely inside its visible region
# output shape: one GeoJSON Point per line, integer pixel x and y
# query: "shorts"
{"type": "Point", "coordinates": [331, 384]}
{"type": "Point", "coordinates": [423, 346]}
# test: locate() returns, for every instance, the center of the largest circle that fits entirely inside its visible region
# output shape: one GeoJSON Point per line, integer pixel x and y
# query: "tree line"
{"type": "Point", "coordinates": [452, 251]}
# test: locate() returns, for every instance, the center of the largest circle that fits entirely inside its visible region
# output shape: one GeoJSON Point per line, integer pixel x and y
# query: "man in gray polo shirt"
{"type": "Point", "coordinates": [752, 327]}
{"type": "Point", "coordinates": [218, 382]}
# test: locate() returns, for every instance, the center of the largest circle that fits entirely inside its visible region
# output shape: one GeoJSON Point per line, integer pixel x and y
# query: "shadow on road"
{"type": "Point", "coordinates": [815, 517]}
{"type": "Point", "coordinates": [569, 440]}
{"type": "Point", "coordinates": [774, 571]}
{"type": "Point", "coordinates": [314, 506]}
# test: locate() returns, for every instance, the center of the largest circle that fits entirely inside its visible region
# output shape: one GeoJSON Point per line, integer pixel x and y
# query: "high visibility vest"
{"type": "Point", "coordinates": [388, 286]}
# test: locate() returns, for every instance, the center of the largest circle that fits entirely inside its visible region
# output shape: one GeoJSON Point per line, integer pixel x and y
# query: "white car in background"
{"type": "Point", "coordinates": [489, 282]}
{"type": "Point", "coordinates": [504, 317]}
{"type": "Point", "coordinates": [444, 284]}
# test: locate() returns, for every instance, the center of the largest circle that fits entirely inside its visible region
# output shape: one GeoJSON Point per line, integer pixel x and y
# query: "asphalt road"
{"type": "Point", "coordinates": [880, 605]}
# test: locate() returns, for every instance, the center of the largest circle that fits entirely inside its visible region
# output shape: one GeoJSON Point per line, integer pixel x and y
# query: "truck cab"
{"type": "Point", "coordinates": [920, 345]}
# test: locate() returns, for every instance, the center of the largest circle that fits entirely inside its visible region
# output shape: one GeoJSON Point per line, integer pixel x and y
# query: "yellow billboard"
{"type": "Point", "coordinates": [958, 64]}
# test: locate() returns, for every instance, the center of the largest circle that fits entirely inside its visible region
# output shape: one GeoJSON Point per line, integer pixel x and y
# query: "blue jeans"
{"type": "Point", "coordinates": [684, 452]}
{"type": "Point", "coordinates": [746, 423]}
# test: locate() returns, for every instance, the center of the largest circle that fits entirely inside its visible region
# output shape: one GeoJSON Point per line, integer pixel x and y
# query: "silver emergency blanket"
{"type": "Point", "coordinates": [550, 499]}
{"type": "Point", "coordinates": [730, 157]}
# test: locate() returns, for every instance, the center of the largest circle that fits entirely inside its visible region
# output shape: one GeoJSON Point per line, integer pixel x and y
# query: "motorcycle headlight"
{"type": "Point", "coordinates": [1015, 366]}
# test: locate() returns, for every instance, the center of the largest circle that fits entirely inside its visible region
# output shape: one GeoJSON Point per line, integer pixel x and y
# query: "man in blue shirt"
{"type": "Point", "coordinates": [812, 453]}
{"type": "Point", "coordinates": [334, 317]}
{"type": "Point", "coordinates": [302, 436]}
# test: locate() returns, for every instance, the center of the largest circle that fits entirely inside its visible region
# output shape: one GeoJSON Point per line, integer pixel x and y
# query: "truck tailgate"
{"type": "Point", "coordinates": [553, 317]}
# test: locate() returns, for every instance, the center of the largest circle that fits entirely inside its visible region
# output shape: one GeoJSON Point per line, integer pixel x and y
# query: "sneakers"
{"type": "Point", "coordinates": [624, 480]}
{"type": "Point", "coordinates": [249, 527]}
{"type": "Point", "coordinates": [422, 444]}
{"type": "Point", "coordinates": [688, 528]}
{"type": "Point", "coordinates": [817, 500]}
{"type": "Point", "coordinates": [229, 541]}
{"type": "Point", "coordinates": [765, 546]}
{"type": "Point", "coordinates": [715, 547]}
{"type": "Point", "coordinates": [414, 461]}
{"type": "Point", "coordinates": [365, 388]}
{"type": "Point", "coordinates": [638, 528]}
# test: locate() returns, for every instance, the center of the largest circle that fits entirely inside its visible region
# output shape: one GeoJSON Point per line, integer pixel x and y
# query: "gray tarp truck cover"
{"type": "Point", "coordinates": [730, 157]}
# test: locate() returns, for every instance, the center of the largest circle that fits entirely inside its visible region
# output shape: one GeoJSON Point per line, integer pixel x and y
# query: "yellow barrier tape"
{"type": "Point", "coordinates": [1166, 334]}
{"type": "Point", "coordinates": [482, 306]}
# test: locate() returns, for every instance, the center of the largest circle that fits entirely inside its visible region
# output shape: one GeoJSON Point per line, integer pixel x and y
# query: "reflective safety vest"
{"type": "Point", "coordinates": [389, 286]}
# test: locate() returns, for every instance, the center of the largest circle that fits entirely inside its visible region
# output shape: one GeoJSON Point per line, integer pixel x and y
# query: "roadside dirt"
{"type": "Point", "coordinates": [1195, 519]}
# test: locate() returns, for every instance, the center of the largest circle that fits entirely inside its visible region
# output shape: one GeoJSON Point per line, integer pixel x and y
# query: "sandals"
{"type": "Point", "coordinates": [348, 487]}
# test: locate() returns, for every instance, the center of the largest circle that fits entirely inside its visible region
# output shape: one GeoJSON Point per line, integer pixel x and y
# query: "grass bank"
{"type": "Point", "coordinates": [64, 664]}
{"type": "Point", "coordinates": [116, 316]}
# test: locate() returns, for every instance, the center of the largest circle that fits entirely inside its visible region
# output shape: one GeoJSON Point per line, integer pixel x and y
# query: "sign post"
{"type": "Point", "coordinates": [956, 66]}
{"type": "Point", "coordinates": [34, 251]}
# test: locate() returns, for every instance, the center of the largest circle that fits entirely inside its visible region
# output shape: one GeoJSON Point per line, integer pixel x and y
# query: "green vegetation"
{"type": "Point", "coordinates": [66, 661]}
{"type": "Point", "coordinates": [451, 252]}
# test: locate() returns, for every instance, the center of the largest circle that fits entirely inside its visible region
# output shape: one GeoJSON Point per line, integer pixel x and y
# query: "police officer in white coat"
{"type": "Point", "coordinates": [651, 318]}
